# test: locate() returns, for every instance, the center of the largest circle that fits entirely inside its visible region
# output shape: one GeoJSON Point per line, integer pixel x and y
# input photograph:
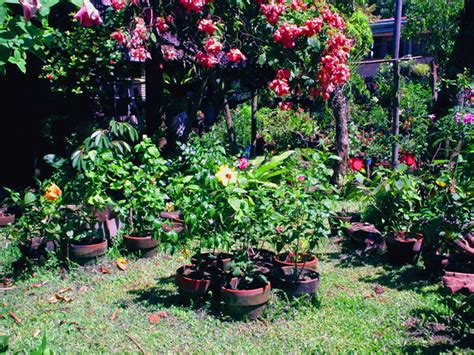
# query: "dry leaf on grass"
{"type": "Point", "coordinates": [36, 332]}
{"type": "Point", "coordinates": [121, 265]}
{"type": "Point", "coordinates": [57, 298]}
{"type": "Point", "coordinates": [39, 284]}
{"type": "Point", "coordinates": [15, 317]}
{"type": "Point", "coordinates": [379, 289]}
{"type": "Point", "coordinates": [154, 318]}
{"type": "Point", "coordinates": [115, 314]}
{"type": "Point", "coordinates": [104, 270]}
{"type": "Point", "coordinates": [65, 290]}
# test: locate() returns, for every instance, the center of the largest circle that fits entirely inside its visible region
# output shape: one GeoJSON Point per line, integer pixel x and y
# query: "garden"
{"type": "Point", "coordinates": [225, 176]}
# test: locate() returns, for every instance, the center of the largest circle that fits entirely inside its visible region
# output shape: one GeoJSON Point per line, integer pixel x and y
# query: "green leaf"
{"type": "Point", "coordinates": [235, 204]}
{"type": "Point", "coordinates": [30, 198]}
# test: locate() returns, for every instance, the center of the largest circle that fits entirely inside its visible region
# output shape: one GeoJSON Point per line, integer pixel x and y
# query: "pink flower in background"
{"type": "Point", "coordinates": [88, 15]}
{"type": "Point", "coordinates": [30, 8]}
{"type": "Point", "coordinates": [468, 118]}
{"type": "Point", "coordinates": [235, 55]}
{"type": "Point", "coordinates": [161, 25]}
{"type": "Point", "coordinates": [301, 178]}
{"type": "Point", "coordinates": [193, 5]}
{"type": "Point", "coordinates": [273, 11]}
{"type": "Point", "coordinates": [285, 105]}
{"type": "Point", "coordinates": [356, 164]}
{"type": "Point", "coordinates": [280, 84]}
{"type": "Point", "coordinates": [206, 60]}
{"type": "Point", "coordinates": [213, 46]}
{"type": "Point", "coordinates": [243, 163]}
{"type": "Point", "coordinates": [119, 36]}
{"type": "Point", "coordinates": [207, 25]}
{"type": "Point", "coordinates": [118, 4]}
{"type": "Point", "coordinates": [279, 229]}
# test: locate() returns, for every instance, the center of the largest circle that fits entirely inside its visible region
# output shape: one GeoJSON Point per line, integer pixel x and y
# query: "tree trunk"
{"type": "Point", "coordinates": [154, 95]}
{"type": "Point", "coordinates": [230, 127]}
{"type": "Point", "coordinates": [253, 135]}
{"type": "Point", "coordinates": [340, 111]}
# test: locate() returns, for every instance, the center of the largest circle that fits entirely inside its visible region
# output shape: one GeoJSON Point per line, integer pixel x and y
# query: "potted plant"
{"type": "Point", "coordinates": [38, 228]}
{"type": "Point", "coordinates": [302, 218]}
{"type": "Point", "coordinates": [395, 211]}
{"type": "Point", "coordinates": [5, 217]}
{"type": "Point", "coordinates": [83, 242]}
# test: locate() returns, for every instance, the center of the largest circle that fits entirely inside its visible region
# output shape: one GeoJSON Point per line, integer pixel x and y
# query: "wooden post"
{"type": "Point", "coordinates": [340, 111]}
{"type": "Point", "coordinates": [396, 83]}
{"type": "Point", "coordinates": [434, 82]}
{"type": "Point", "coordinates": [253, 134]}
{"type": "Point", "coordinates": [230, 127]}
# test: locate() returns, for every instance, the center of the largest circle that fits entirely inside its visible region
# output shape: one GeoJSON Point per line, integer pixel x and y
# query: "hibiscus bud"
{"type": "Point", "coordinates": [88, 15]}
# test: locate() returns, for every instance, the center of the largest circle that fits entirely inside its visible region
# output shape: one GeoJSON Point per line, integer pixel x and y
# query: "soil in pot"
{"type": "Point", "coordinates": [404, 248]}
{"type": "Point", "coordinates": [242, 300]}
{"type": "Point", "coordinates": [144, 247]}
{"type": "Point", "coordinates": [306, 260]}
{"type": "Point", "coordinates": [215, 259]}
{"type": "Point", "coordinates": [296, 282]}
{"type": "Point", "coordinates": [261, 255]}
{"type": "Point", "coordinates": [87, 253]}
{"type": "Point", "coordinates": [194, 282]}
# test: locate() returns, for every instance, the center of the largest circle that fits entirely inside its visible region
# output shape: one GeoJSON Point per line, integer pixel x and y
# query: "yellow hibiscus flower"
{"type": "Point", "coordinates": [52, 192]}
{"type": "Point", "coordinates": [226, 176]}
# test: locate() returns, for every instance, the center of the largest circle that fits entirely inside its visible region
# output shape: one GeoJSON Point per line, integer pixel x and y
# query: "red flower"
{"type": "Point", "coordinates": [408, 159]}
{"type": "Point", "coordinates": [30, 8]}
{"type": "Point", "coordinates": [285, 105]}
{"type": "Point", "coordinates": [273, 11]}
{"type": "Point", "coordinates": [235, 55]}
{"type": "Point", "coordinates": [193, 5]}
{"type": "Point", "coordinates": [213, 46]}
{"type": "Point", "coordinates": [206, 60]}
{"type": "Point", "coordinates": [119, 37]}
{"type": "Point", "coordinates": [356, 164]}
{"type": "Point", "coordinates": [207, 25]}
{"type": "Point", "coordinates": [243, 163]}
{"type": "Point", "coordinates": [280, 87]}
{"type": "Point", "coordinates": [119, 4]}
{"type": "Point", "coordinates": [161, 25]}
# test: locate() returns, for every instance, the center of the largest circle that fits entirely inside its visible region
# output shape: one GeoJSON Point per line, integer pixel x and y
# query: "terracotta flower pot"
{"type": "Point", "coordinates": [403, 248]}
{"type": "Point", "coordinates": [296, 282]}
{"type": "Point", "coordinates": [192, 283]}
{"type": "Point", "coordinates": [261, 255]}
{"type": "Point", "coordinates": [143, 246]}
{"type": "Point", "coordinates": [87, 254]}
{"type": "Point", "coordinates": [6, 219]}
{"type": "Point", "coordinates": [285, 259]}
{"type": "Point", "coordinates": [216, 259]}
{"type": "Point", "coordinates": [245, 303]}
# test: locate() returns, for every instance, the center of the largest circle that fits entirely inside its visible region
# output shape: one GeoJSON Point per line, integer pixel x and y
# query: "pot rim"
{"type": "Point", "coordinates": [181, 269]}
{"type": "Point", "coordinates": [288, 263]}
{"type": "Point", "coordinates": [394, 236]}
{"type": "Point", "coordinates": [83, 246]}
{"type": "Point", "coordinates": [263, 289]}
{"type": "Point", "coordinates": [300, 281]}
{"type": "Point", "coordinates": [127, 236]}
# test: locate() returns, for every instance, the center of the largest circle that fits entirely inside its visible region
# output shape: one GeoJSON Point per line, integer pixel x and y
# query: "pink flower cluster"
{"type": "Point", "coordinates": [287, 34]}
{"type": "Point", "coordinates": [466, 118]}
{"type": "Point", "coordinates": [118, 5]}
{"type": "Point", "coordinates": [161, 25]}
{"type": "Point", "coordinates": [333, 20]}
{"type": "Point", "coordinates": [334, 70]}
{"type": "Point", "coordinates": [207, 25]}
{"type": "Point", "coordinates": [194, 5]}
{"type": "Point", "coordinates": [136, 45]}
{"type": "Point", "coordinates": [88, 15]}
{"type": "Point", "coordinates": [273, 10]}
{"type": "Point", "coordinates": [30, 8]}
{"type": "Point", "coordinates": [280, 84]}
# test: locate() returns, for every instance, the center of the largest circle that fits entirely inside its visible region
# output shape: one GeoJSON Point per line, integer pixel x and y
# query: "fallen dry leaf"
{"type": "Point", "coordinates": [154, 318]}
{"type": "Point", "coordinates": [39, 284]}
{"type": "Point", "coordinates": [379, 289]}
{"type": "Point", "coordinates": [115, 314]}
{"type": "Point", "coordinates": [36, 332]}
{"type": "Point", "coordinates": [57, 297]}
{"type": "Point", "coordinates": [163, 314]}
{"type": "Point", "coordinates": [342, 287]}
{"type": "Point", "coordinates": [104, 270]}
{"type": "Point", "coordinates": [121, 266]}
{"type": "Point", "coordinates": [84, 288]}
{"type": "Point", "coordinates": [15, 317]}
{"type": "Point", "coordinates": [65, 290]}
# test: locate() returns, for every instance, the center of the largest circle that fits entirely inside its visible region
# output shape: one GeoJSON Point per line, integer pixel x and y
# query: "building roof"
{"type": "Point", "coordinates": [385, 25]}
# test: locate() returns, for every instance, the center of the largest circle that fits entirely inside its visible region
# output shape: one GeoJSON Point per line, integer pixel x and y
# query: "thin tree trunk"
{"type": "Point", "coordinates": [340, 111]}
{"type": "Point", "coordinates": [253, 135]}
{"type": "Point", "coordinates": [230, 127]}
{"type": "Point", "coordinates": [396, 83]}
{"type": "Point", "coordinates": [154, 95]}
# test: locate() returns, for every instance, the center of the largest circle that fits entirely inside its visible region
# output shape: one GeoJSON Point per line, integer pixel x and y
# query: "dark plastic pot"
{"type": "Point", "coordinates": [284, 259]}
{"type": "Point", "coordinates": [37, 248]}
{"type": "Point", "coordinates": [87, 254]}
{"type": "Point", "coordinates": [245, 303]}
{"type": "Point", "coordinates": [261, 255]}
{"type": "Point", "coordinates": [296, 282]}
{"type": "Point", "coordinates": [209, 260]}
{"type": "Point", "coordinates": [189, 287]}
{"type": "Point", "coordinates": [6, 219]}
{"type": "Point", "coordinates": [403, 248]}
{"type": "Point", "coordinates": [143, 246]}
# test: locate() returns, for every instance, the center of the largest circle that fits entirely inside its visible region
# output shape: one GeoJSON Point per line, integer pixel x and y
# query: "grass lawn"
{"type": "Point", "coordinates": [109, 312]}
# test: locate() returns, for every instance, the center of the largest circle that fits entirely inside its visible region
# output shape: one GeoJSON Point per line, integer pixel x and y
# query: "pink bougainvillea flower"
{"type": "Point", "coordinates": [243, 163]}
{"type": "Point", "coordinates": [356, 164]}
{"type": "Point", "coordinates": [119, 36]}
{"type": "Point", "coordinates": [193, 5]}
{"type": "Point", "coordinates": [235, 55]}
{"type": "Point", "coordinates": [285, 105]}
{"type": "Point", "coordinates": [313, 26]}
{"type": "Point", "coordinates": [273, 11]}
{"type": "Point", "coordinates": [280, 87]}
{"type": "Point", "coordinates": [283, 74]}
{"type": "Point", "coordinates": [408, 159]}
{"type": "Point", "coordinates": [206, 60]}
{"type": "Point", "coordinates": [207, 25]}
{"type": "Point", "coordinates": [30, 8]}
{"type": "Point", "coordinates": [213, 46]}
{"type": "Point", "coordinates": [118, 5]}
{"type": "Point", "coordinates": [161, 25]}
{"type": "Point", "coordinates": [288, 34]}
{"type": "Point", "coordinates": [88, 15]}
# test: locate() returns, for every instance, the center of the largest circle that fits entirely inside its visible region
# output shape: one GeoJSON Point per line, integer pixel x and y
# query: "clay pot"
{"type": "Point", "coordinates": [143, 246]}
{"type": "Point", "coordinates": [191, 283]}
{"type": "Point", "coordinates": [6, 219]}
{"type": "Point", "coordinates": [335, 222]}
{"type": "Point", "coordinates": [403, 248]}
{"type": "Point", "coordinates": [311, 261]}
{"type": "Point", "coordinates": [216, 259]}
{"type": "Point", "coordinates": [245, 303]}
{"type": "Point", "coordinates": [296, 282]}
{"type": "Point", "coordinates": [87, 254]}
{"type": "Point", "coordinates": [261, 255]}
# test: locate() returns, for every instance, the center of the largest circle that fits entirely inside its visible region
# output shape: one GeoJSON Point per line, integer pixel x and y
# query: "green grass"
{"type": "Point", "coordinates": [350, 316]}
